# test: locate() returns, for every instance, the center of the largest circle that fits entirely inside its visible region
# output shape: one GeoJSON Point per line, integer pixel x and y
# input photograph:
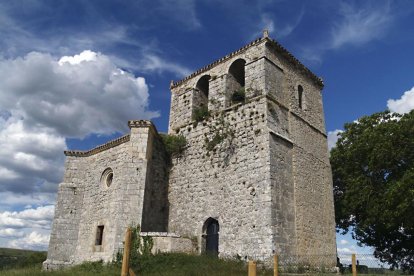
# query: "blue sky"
{"type": "Point", "coordinates": [73, 72]}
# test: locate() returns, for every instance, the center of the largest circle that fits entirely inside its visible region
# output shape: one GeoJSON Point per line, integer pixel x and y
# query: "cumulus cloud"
{"type": "Point", "coordinates": [44, 100]}
{"type": "Point", "coordinates": [39, 217]}
{"type": "Point", "coordinates": [73, 96]}
{"type": "Point", "coordinates": [29, 228]}
{"type": "Point", "coordinates": [31, 158]}
{"type": "Point", "coordinates": [10, 232]}
{"type": "Point", "coordinates": [404, 104]}
{"type": "Point", "coordinates": [333, 137]}
{"type": "Point", "coordinates": [32, 240]}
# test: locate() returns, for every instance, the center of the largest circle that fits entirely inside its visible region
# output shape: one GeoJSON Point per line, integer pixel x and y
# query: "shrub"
{"type": "Point", "coordinates": [174, 144]}
{"type": "Point", "coordinates": [140, 250]}
{"type": "Point", "coordinates": [200, 113]}
{"type": "Point", "coordinates": [238, 96]}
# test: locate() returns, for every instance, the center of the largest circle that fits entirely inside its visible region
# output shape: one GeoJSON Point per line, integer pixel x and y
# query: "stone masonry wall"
{"type": "Point", "coordinates": [86, 202]}
{"type": "Point", "coordinates": [280, 157]}
{"type": "Point", "coordinates": [314, 211]}
{"type": "Point", "coordinates": [156, 207]}
{"type": "Point", "coordinates": [229, 183]}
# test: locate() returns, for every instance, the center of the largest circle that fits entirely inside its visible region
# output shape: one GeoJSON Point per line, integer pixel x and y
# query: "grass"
{"type": "Point", "coordinates": [10, 258]}
{"type": "Point", "coordinates": [161, 264]}
{"type": "Point", "coordinates": [171, 264]}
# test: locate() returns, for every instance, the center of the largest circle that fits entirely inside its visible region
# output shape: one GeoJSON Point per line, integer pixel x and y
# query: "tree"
{"type": "Point", "coordinates": [373, 176]}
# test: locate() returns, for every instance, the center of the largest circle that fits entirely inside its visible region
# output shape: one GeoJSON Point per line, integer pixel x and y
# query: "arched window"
{"type": "Point", "coordinates": [300, 96]}
{"type": "Point", "coordinates": [200, 99]}
{"type": "Point", "coordinates": [236, 70]}
{"type": "Point", "coordinates": [203, 85]}
{"type": "Point", "coordinates": [236, 81]}
{"type": "Point", "coordinates": [211, 231]}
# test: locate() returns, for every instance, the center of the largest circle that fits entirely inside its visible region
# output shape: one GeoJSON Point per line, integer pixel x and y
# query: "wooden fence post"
{"type": "Point", "coordinates": [275, 266]}
{"type": "Point", "coordinates": [354, 271]}
{"type": "Point", "coordinates": [252, 268]}
{"type": "Point", "coordinates": [127, 247]}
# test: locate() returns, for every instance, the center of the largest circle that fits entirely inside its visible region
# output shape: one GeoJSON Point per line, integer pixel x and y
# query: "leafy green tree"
{"type": "Point", "coordinates": [373, 175]}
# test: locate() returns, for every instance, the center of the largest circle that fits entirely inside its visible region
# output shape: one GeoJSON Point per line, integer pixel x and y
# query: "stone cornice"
{"type": "Point", "coordinates": [278, 47]}
{"type": "Point", "coordinates": [142, 124]}
{"type": "Point", "coordinates": [108, 145]}
{"type": "Point", "coordinates": [139, 123]}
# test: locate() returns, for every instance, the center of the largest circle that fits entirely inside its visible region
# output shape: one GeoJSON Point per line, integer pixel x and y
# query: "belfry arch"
{"type": "Point", "coordinates": [201, 92]}
{"type": "Point", "coordinates": [235, 78]}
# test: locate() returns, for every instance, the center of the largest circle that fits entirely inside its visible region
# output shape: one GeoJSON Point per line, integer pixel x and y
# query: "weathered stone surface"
{"type": "Point", "coordinates": [259, 167]}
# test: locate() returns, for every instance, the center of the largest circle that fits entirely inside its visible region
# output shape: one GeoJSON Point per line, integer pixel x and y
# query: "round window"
{"type": "Point", "coordinates": [107, 177]}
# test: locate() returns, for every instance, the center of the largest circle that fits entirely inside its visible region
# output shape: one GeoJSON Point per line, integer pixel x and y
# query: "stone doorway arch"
{"type": "Point", "coordinates": [211, 231]}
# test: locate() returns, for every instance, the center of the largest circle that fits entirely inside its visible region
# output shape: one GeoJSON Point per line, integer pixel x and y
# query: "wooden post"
{"type": "Point", "coordinates": [275, 266]}
{"type": "Point", "coordinates": [127, 247]}
{"type": "Point", "coordinates": [252, 268]}
{"type": "Point", "coordinates": [354, 271]}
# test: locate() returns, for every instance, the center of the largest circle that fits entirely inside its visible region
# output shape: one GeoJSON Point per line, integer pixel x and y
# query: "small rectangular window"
{"type": "Point", "coordinates": [99, 235]}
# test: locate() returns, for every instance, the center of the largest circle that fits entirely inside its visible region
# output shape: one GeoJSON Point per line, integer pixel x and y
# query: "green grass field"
{"type": "Point", "coordinates": [24, 262]}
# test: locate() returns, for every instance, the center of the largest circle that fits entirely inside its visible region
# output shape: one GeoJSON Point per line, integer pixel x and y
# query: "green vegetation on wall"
{"type": "Point", "coordinates": [238, 96]}
{"type": "Point", "coordinates": [174, 144]}
{"type": "Point", "coordinates": [200, 113]}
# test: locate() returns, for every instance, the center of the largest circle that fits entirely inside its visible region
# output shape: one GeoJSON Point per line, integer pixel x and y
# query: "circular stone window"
{"type": "Point", "coordinates": [107, 177]}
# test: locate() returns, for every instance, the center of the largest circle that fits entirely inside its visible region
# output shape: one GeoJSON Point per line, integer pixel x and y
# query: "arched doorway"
{"type": "Point", "coordinates": [211, 235]}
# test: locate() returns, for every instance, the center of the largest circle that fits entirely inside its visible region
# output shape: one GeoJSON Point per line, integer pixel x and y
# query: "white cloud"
{"type": "Point", "coordinates": [39, 217]}
{"type": "Point", "coordinates": [86, 55]}
{"type": "Point", "coordinates": [359, 25]}
{"type": "Point", "coordinates": [44, 100]}
{"type": "Point", "coordinates": [267, 23]}
{"type": "Point", "coordinates": [10, 199]}
{"type": "Point", "coordinates": [73, 99]}
{"type": "Point", "coordinates": [345, 250]}
{"type": "Point", "coordinates": [343, 242]}
{"type": "Point", "coordinates": [10, 232]}
{"type": "Point", "coordinates": [404, 104]}
{"type": "Point", "coordinates": [181, 11]}
{"type": "Point", "coordinates": [333, 137]}
{"type": "Point", "coordinates": [32, 240]}
{"type": "Point", "coordinates": [356, 24]}
{"type": "Point", "coordinates": [154, 63]}
{"type": "Point", "coordinates": [31, 158]}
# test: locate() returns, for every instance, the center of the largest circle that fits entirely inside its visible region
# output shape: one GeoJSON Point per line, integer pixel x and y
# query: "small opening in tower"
{"type": "Point", "coordinates": [300, 96]}
{"type": "Point", "coordinates": [99, 235]}
{"type": "Point", "coordinates": [235, 92]}
{"type": "Point", "coordinates": [236, 70]}
{"type": "Point", "coordinates": [200, 99]}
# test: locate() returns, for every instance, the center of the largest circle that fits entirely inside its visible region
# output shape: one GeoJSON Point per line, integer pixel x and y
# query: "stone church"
{"type": "Point", "coordinates": [254, 178]}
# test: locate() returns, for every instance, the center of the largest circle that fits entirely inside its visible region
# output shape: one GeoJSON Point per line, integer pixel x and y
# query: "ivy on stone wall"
{"type": "Point", "coordinates": [221, 132]}
{"type": "Point", "coordinates": [140, 248]}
